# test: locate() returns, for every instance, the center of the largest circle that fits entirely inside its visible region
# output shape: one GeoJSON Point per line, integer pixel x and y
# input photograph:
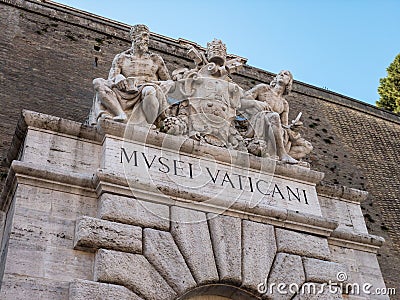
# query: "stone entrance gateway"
{"type": "Point", "coordinates": [120, 212]}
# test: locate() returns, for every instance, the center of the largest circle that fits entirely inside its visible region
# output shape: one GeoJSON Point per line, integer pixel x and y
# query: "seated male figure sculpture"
{"type": "Point", "coordinates": [272, 123]}
{"type": "Point", "coordinates": [133, 85]}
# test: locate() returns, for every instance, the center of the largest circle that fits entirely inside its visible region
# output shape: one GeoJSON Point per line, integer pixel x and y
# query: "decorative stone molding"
{"type": "Point", "coordinates": [45, 176]}
{"type": "Point", "coordinates": [341, 192]}
{"type": "Point", "coordinates": [358, 241]}
{"type": "Point", "coordinates": [111, 183]}
{"type": "Point", "coordinates": [44, 122]}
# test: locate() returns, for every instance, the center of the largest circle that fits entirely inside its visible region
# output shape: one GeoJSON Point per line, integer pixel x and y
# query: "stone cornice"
{"type": "Point", "coordinates": [356, 240]}
{"type": "Point", "coordinates": [45, 176]}
{"type": "Point", "coordinates": [341, 192]}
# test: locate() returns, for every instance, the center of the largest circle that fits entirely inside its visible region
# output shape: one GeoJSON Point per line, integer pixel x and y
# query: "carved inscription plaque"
{"type": "Point", "coordinates": [204, 179]}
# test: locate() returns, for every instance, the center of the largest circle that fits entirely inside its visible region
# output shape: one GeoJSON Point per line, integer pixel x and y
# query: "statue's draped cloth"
{"type": "Point", "coordinates": [130, 101]}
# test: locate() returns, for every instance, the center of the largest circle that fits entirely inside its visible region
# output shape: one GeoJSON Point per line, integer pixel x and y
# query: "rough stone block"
{"type": "Point", "coordinates": [258, 252]}
{"type": "Point", "coordinates": [161, 251]}
{"type": "Point", "coordinates": [321, 271]}
{"type": "Point", "coordinates": [134, 212]}
{"type": "Point", "coordinates": [132, 271]}
{"type": "Point", "coordinates": [190, 231]}
{"type": "Point", "coordinates": [287, 269]}
{"type": "Point", "coordinates": [302, 244]}
{"type": "Point", "coordinates": [87, 290]}
{"type": "Point", "coordinates": [226, 237]}
{"type": "Point", "coordinates": [95, 233]}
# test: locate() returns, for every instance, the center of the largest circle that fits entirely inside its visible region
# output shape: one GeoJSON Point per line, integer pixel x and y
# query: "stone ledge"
{"type": "Point", "coordinates": [60, 125]}
{"type": "Point", "coordinates": [54, 178]}
{"type": "Point", "coordinates": [358, 241]}
{"type": "Point", "coordinates": [341, 192]}
{"type": "Point", "coordinates": [92, 233]}
{"type": "Point", "coordinates": [70, 15]}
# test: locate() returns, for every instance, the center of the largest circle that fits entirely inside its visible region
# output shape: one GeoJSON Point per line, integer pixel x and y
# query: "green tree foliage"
{"type": "Point", "coordinates": [389, 89]}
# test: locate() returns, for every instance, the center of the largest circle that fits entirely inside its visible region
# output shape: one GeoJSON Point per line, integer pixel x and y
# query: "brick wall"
{"type": "Point", "coordinates": [49, 55]}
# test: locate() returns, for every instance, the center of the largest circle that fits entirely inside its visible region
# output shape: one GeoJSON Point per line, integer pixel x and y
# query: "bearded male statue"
{"type": "Point", "coordinates": [136, 86]}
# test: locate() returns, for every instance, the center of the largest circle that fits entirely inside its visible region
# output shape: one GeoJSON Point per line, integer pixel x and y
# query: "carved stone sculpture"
{"type": "Point", "coordinates": [271, 125]}
{"type": "Point", "coordinates": [206, 101]}
{"type": "Point", "coordinates": [208, 98]}
{"type": "Point", "coordinates": [136, 85]}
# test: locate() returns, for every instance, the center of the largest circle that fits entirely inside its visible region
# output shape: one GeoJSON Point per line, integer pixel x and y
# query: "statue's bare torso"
{"type": "Point", "coordinates": [276, 103]}
{"type": "Point", "coordinates": [144, 69]}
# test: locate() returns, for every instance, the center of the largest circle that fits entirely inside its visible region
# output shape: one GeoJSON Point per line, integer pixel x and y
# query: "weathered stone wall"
{"type": "Point", "coordinates": [50, 54]}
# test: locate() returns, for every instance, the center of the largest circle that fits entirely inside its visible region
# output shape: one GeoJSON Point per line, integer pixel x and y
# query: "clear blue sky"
{"type": "Point", "coordinates": [343, 45]}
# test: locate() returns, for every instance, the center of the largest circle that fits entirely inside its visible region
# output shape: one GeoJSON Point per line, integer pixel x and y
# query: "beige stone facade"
{"type": "Point", "coordinates": [81, 222]}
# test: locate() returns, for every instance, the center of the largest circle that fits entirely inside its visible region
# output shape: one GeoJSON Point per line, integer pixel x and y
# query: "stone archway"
{"type": "Point", "coordinates": [197, 256]}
